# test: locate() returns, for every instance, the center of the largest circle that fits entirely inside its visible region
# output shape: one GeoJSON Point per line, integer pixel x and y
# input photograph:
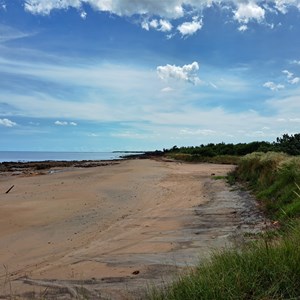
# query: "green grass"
{"type": "Point", "coordinates": [265, 270]}
{"type": "Point", "coordinates": [272, 177]}
{"type": "Point", "coordinates": [219, 177]}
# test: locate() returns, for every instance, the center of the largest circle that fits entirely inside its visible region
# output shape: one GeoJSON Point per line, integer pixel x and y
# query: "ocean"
{"type": "Point", "coordinates": [27, 156]}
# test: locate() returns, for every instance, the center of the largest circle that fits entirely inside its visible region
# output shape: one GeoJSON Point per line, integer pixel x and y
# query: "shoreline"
{"type": "Point", "coordinates": [41, 167]}
{"type": "Point", "coordinates": [9, 157]}
{"type": "Point", "coordinates": [44, 167]}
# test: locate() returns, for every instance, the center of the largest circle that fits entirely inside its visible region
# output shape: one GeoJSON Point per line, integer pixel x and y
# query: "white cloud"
{"type": "Point", "coordinates": [249, 11]}
{"type": "Point", "coordinates": [92, 134]}
{"type": "Point", "coordinates": [189, 28]}
{"type": "Point", "coordinates": [281, 120]}
{"type": "Point", "coordinates": [287, 107]}
{"type": "Point", "coordinates": [290, 77]}
{"type": "Point", "coordinates": [283, 5]}
{"type": "Point", "coordinates": [44, 7]}
{"type": "Point", "coordinates": [65, 123]}
{"type": "Point", "coordinates": [153, 23]}
{"type": "Point", "coordinates": [296, 62]}
{"type": "Point", "coordinates": [132, 83]}
{"type": "Point", "coordinates": [8, 33]}
{"type": "Point", "coordinates": [203, 132]}
{"type": "Point", "coordinates": [186, 73]}
{"type": "Point", "coordinates": [167, 89]}
{"type": "Point", "coordinates": [7, 123]}
{"type": "Point", "coordinates": [145, 25]}
{"type": "Point", "coordinates": [61, 123]}
{"type": "Point", "coordinates": [119, 78]}
{"type": "Point", "coordinates": [213, 85]}
{"type": "Point", "coordinates": [159, 25]}
{"type": "Point", "coordinates": [165, 25]}
{"type": "Point", "coordinates": [295, 80]}
{"type": "Point", "coordinates": [83, 15]}
{"type": "Point", "coordinates": [288, 74]}
{"type": "Point", "coordinates": [130, 135]}
{"type": "Point", "coordinates": [243, 11]}
{"type": "Point", "coordinates": [296, 120]}
{"type": "Point", "coordinates": [169, 9]}
{"type": "Point", "coordinates": [273, 86]}
{"type": "Point", "coordinates": [243, 28]}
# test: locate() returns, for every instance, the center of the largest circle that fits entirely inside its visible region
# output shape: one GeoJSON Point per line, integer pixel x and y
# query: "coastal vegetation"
{"type": "Point", "coordinates": [230, 153]}
{"type": "Point", "coordinates": [267, 268]}
{"type": "Point", "coordinates": [273, 177]}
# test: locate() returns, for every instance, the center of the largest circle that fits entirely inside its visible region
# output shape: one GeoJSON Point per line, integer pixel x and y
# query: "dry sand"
{"type": "Point", "coordinates": [109, 231]}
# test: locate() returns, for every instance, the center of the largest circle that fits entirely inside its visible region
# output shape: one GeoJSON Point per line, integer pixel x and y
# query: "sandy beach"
{"type": "Point", "coordinates": [109, 231]}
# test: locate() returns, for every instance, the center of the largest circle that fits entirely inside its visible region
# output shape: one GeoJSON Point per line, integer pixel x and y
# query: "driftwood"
{"type": "Point", "coordinates": [9, 189]}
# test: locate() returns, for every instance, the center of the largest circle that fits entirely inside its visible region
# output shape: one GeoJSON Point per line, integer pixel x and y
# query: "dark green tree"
{"type": "Point", "coordinates": [289, 144]}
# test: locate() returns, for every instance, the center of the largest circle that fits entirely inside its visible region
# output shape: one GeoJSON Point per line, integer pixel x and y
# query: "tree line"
{"type": "Point", "coordinates": [289, 144]}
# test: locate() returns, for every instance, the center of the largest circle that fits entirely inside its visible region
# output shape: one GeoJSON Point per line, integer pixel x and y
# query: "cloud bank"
{"type": "Point", "coordinates": [242, 12]}
{"type": "Point", "coordinates": [171, 9]}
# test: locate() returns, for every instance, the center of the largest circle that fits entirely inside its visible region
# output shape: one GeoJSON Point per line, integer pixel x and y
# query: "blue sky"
{"type": "Point", "coordinates": [102, 75]}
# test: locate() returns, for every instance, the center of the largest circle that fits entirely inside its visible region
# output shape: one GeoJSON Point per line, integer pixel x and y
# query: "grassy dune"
{"type": "Point", "coordinates": [268, 268]}
{"type": "Point", "coordinates": [273, 177]}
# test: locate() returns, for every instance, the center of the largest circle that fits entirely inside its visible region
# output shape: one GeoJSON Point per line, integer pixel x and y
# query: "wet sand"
{"type": "Point", "coordinates": [109, 231]}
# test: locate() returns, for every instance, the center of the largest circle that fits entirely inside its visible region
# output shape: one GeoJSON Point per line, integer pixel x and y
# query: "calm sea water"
{"type": "Point", "coordinates": [25, 156]}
